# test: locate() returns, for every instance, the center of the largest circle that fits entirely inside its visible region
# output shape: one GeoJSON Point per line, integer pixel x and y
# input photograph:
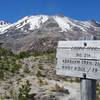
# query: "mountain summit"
{"type": "Point", "coordinates": [41, 32]}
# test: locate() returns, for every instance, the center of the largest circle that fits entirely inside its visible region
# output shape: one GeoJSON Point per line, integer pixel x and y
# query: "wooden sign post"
{"type": "Point", "coordinates": [80, 59]}
{"type": "Point", "coordinates": [88, 86]}
{"type": "Point", "coordinates": [88, 89]}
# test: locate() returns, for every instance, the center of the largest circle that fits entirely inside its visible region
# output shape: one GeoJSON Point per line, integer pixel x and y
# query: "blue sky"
{"type": "Point", "coordinates": [13, 10]}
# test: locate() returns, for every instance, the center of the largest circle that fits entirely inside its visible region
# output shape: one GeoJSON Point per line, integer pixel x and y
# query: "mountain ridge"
{"type": "Point", "coordinates": [39, 19]}
{"type": "Point", "coordinates": [41, 32]}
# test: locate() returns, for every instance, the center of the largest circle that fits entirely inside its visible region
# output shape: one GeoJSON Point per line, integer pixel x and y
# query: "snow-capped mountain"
{"type": "Point", "coordinates": [35, 22]}
{"type": "Point", "coordinates": [42, 32]}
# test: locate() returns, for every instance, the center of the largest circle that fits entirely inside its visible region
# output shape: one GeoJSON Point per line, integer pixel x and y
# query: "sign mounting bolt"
{"type": "Point", "coordinates": [85, 44]}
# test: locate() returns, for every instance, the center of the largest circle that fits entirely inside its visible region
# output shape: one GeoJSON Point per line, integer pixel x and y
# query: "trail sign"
{"type": "Point", "coordinates": [79, 59]}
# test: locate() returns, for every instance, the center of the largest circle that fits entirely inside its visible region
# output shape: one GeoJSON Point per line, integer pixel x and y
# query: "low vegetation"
{"type": "Point", "coordinates": [11, 63]}
{"type": "Point", "coordinates": [24, 91]}
{"type": "Point", "coordinates": [8, 63]}
{"type": "Point", "coordinates": [98, 91]}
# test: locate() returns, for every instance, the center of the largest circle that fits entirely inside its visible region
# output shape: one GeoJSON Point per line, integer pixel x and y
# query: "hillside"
{"type": "Point", "coordinates": [33, 78]}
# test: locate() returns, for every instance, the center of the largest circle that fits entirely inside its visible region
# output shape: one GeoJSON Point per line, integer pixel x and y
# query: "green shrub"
{"type": "Point", "coordinates": [24, 54]}
{"type": "Point", "coordinates": [41, 81]}
{"type": "Point", "coordinates": [24, 91]}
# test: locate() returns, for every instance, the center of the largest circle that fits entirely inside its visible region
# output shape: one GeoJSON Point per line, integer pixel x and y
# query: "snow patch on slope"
{"type": "Point", "coordinates": [66, 23]}
{"type": "Point", "coordinates": [37, 21]}
{"type": "Point", "coordinates": [3, 25]}
{"type": "Point", "coordinates": [88, 24]}
{"type": "Point", "coordinates": [63, 23]}
{"type": "Point", "coordinates": [4, 29]}
{"type": "Point", "coordinates": [33, 21]}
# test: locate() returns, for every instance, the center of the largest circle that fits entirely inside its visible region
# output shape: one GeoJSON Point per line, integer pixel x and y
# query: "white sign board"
{"type": "Point", "coordinates": [79, 59]}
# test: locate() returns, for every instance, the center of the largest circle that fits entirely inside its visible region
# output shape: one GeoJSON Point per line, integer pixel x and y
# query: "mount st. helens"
{"type": "Point", "coordinates": [41, 32]}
